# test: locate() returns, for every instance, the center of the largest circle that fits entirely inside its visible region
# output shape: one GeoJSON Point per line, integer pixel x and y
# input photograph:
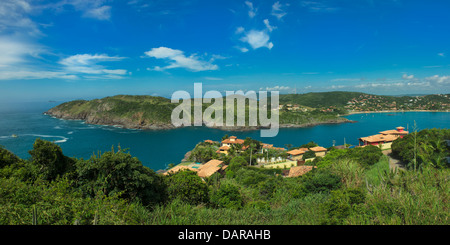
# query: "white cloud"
{"type": "Point", "coordinates": [439, 80]}
{"type": "Point", "coordinates": [94, 9]}
{"type": "Point", "coordinates": [378, 85]}
{"type": "Point", "coordinates": [14, 17]}
{"type": "Point", "coordinates": [276, 88]}
{"type": "Point", "coordinates": [239, 30]}
{"type": "Point", "coordinates": [213, 78]}
{"type": "Point", "coordinates": [100, 13]}
{"type": "Point", "coordinates": [86, 66]}
{"type": "Point", "coordinates": [252, 10]}
{"type": "Point", "coordinates": [34, 74]}
{"type": "Point", "coordinates": [407, 77]}
{"type": "Point", "coordinates": [243, 49]}
{"type": "Point", "coordinates": [257, 39]}
{"type": "Point", "coordinates": [315, 6]}
{"type": "Point", "coordinates": [269, 27]}
{"type": "Point", "coordinates": [441, 54]}
{"type": "Point", "coordinates": [277, 10]}
{"type": "Point", "coordinates": [177, 59]}
{"type": "Point", "coordinates": [346, 80]}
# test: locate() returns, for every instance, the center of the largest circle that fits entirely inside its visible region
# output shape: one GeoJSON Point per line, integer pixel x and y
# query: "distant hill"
{"type": "Point", "coordinates": [129, 111]}
{"type": "Point", "coordinates": [297, 110]}
{"type": "Point", "coordinates": [355, 101]}
{"type": "Point", "coordinates": [319, 99]}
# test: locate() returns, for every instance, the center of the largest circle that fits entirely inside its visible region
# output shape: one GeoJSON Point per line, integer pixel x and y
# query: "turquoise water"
{"type": "Point", "coordinates": [157, 149]}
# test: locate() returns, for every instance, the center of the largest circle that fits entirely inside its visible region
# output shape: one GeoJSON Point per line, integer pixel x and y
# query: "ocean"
{"type": "Point", "coordinates": [158, 148]}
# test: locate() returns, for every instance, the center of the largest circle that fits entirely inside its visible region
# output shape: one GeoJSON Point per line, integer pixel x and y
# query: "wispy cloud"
{"type": "Point", "coordinates": [252, 11]}
{"type": "Point", "coordinates": [407, 77]}
{"type": "Point", "coordinates": [177, 59]}
{"type": "Point", "coordinates": [14, 17]}
{"type": "Point", "coordinates": [268, 26]}
{"type": "Point", "coordinates": [277, 10]}
{"type": "Point", "coordinates": [93, 9]}
{"type": "Point", "coordinates": [441, 54]}
{"type": "Point", "coordinates": [276, 88]}
{"type": "Point", "coordinates": [87, 64]}
{"type": "Point", "coordinates": [316, 6]}
{"type": "Point", "coordinates": [213, 78]}
{"type": "Point", "coordinates": [439, 80]}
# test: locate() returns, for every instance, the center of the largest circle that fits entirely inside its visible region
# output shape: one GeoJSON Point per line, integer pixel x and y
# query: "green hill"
{"type": "Point", "coordinates": [297, 110]}
{"type": "Point", "coordinates": [319, 99]}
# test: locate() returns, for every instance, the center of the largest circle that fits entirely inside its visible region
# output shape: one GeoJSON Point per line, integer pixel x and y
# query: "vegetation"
{"type": "Point", "coordinates": [339, 102]}
{"type": "Point", "coordinates": [348, 187]}
{"type": "Point", "coordinates": [431, 148]}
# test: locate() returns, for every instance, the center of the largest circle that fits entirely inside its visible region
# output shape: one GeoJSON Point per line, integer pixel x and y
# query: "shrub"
{"type": "Point", "coordinates": [308, 154]}
{"type": "Point", "coordinates": [227, 196]}
{"type": "Point", "coordinates": [49, 159]}
{"type": "Point", "coordinates": [341, 203]}
{"type": "Point", "coordinates": [120, 173]}
{"type": "Point", "coordinates": [236, 163]}
{"type": "Point", "coordinates": [321, 181]}
{"type": "Point", "coordinates": [188, 187]}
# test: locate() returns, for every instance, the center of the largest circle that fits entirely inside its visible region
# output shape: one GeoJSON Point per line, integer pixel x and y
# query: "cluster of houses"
{"type": "Point", "coordinates": [384, 140]}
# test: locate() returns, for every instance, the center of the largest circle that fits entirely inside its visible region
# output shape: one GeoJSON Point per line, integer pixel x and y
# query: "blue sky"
{"type": "Point", "coordinates": [61, 50]}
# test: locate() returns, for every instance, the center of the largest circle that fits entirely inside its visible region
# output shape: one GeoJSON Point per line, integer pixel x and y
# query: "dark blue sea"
{"type": "Point", "coordinates": [156, 149]}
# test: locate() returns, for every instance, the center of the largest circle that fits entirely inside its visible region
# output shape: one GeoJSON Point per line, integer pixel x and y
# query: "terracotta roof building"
{"type": "Point", "coordinates": [210, 168]}
{"type": "Point", "coordinates": [179, 168]}
{"type": "Point", "coordinates": [232, 140]}
{"type": "Point", "coordinates": [384, 137]}
{"type": "Point", "coordinates": [319, 151]}
{"type": "Point", "coordinates": [299, 170]}
{"type": "Point", "coordinates": [297, 154]}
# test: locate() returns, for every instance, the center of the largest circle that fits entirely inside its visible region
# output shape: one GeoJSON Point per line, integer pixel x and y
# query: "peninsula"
{"type": "Point", "coordinates": [295, 110]}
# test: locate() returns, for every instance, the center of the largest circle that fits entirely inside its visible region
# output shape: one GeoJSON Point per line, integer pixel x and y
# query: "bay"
{"type": "Point", "coordinates": [156, 149]}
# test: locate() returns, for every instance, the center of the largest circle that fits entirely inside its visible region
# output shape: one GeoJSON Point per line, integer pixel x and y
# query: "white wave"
{"type": "Point", "coordinates": [57, 127]}
{"type": "Point", "coordinates": [71, 132]}
{"type": "Point", "coordinates": [62, 138]}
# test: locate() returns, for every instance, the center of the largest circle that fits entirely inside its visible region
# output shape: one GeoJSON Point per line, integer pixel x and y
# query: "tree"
{"type": "Point", "coordinates": [188, 187]}
{"type": "Point", "coordinates": [309, 145]}
{"type": "Point", "coordinates": [7, 158]}
{"type": "Point", "coordinates": [308, 154]}
{"type": "Point", "coordinates": [227, 196]}
{"type": "Point", "coordinates": [118, 173]}
{"type": "Point", "coordinates": [49, 159]}
{"type": "Point", "coordinates": [236, 163]}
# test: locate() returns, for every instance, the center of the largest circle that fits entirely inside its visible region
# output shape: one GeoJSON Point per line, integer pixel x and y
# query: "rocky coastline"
{"type": "Point", "coordinates": [129, 124]}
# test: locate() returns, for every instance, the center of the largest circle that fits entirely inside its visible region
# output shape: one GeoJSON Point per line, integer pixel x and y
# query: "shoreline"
{"type": "Point", "coordinates": [392, 111]}
{"type": "Point", "coordinates": [339, 120]}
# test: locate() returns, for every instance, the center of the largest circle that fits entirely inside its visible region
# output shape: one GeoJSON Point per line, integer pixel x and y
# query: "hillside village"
{"type": "Point", "coordinates": [370, 102]}
{"type": "Point", "coordinates": [210, 157]}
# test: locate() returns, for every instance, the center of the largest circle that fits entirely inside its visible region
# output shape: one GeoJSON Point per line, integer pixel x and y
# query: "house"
{"type": "Point", "coordinates": [205, 170]}
{"type": "Point", "coordinates": [223, 149]}
{"type": "Point", "coordinates": [226, 144]}
{"type": "Point", "coordinates": [299, 170]}
{"type": "Point", "coordinates": [231, 141]}
{"type": "Point", "coordinates": [377, 139]}
{"type": "Point", "coordinates": [384, 139]}
{"type": "Point", "coordinates": [210, 168]}
{"type": "Point", "coordinates": [398, 131]}
{"type": "Point", "coordinates": [180, 168]}
{"type": "Point", "coordinates": [319, 151]}
{"type": "Point", "coordinates": [297, 154]}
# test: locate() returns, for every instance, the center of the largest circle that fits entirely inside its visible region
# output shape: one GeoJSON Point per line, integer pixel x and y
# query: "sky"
{"type": "Point", "coordinates": [75, 49]}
